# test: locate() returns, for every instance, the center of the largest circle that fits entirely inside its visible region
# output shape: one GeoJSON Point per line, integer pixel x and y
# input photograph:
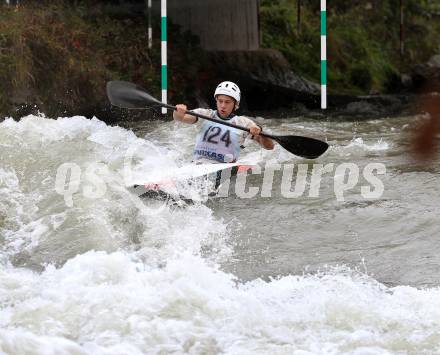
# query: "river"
{"type": "Point", "coordinates": [88, 267]}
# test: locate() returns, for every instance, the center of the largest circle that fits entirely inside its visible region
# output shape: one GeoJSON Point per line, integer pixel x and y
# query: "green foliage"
{"type": "Point", "coordinates": [363, 40]}
{"type": "Point", "coordinates": [279, 32]}
{"type": "Point", "coordinates": [49, 60]}
{"type": "Point", "coordinates": [360, 76]}
{"type": "Point", "coordinates": [60, 54]}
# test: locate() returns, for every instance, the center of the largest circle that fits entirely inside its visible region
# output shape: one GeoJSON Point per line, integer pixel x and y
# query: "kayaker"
{"type": "Point", "coordinates": [217, 142]}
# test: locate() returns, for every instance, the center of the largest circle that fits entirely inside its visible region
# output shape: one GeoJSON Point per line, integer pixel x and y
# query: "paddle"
{"type": "Point", "coordinates": [128, 95]}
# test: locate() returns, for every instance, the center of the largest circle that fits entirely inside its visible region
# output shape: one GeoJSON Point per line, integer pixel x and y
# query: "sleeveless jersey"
{"type": "Point", "coordinates": [218, 142]}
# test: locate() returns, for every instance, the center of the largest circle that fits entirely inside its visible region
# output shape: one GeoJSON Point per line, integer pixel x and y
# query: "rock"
{"type": "Point", "coordinates": [270, 67]}
{"type": "Point", "coordinates": [266, 79]}
{"type": "Point", "coordinates": [406, 81]}
{"type": "Point", "coordinates": [298, 108]}
{"type": "Point", "coordinates": [426, 76]}
{"type": "Point", "coordinates": [269, 84]}
{"type": "Point", "coordinates": [369, 106]}
{"type": "Point", "coordinates": [434, 61]}
{"type": "Point", "coordinates": [361, 108]}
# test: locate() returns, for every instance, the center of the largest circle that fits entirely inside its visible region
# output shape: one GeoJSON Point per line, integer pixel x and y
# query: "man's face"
{"type": "Point", "coordinates": [225, 105]}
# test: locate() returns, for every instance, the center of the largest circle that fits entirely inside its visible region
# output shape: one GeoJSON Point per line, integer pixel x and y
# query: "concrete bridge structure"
{"type": "Point", "coordinates": [221, 25]}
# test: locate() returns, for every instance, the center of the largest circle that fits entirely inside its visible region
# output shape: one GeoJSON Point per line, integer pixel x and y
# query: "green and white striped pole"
{"type": "Point", "coordinates": [163, 11]}
{"type": "Point", "coordinates": [323, 54]}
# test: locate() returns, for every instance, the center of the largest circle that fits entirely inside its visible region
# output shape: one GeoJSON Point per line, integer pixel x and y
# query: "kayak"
{"type": "Point", "coordinates": [167, 186]}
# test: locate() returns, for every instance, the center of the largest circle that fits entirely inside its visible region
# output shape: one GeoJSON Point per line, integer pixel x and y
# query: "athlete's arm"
{"type": "Point", "coordinates": [265, 142]}
{"type": "Point", "coordinates": [180, 115]}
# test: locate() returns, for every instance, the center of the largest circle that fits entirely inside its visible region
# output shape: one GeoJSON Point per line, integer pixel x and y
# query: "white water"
{"type": "Point", "coordinates": [112, 275]}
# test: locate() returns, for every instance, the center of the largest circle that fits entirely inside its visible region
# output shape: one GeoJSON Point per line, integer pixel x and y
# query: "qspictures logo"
{"type": "Point", "coordinates": [306, 180]}
{"type": "Point", "coordinates": [288, 180]}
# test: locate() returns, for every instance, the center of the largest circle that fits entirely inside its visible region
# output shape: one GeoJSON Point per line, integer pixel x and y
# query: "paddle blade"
{"type": "Point", "coordinates": [128, 95]}
{"type": "Point", "coordinates": [305, 147]}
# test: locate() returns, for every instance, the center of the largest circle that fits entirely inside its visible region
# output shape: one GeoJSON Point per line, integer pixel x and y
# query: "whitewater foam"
{"type": "Point", "coordinates": [113, 275]}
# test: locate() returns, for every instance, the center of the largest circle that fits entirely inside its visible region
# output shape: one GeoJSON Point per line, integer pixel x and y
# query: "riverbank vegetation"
{"type": "Point", "coordinates": [364, 48]}
{"type": "Point", "coordinates": [56, 56]}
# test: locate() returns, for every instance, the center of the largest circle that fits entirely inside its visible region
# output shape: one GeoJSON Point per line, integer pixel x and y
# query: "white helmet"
{"type": "Point", "coordinates": [230, 89]}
